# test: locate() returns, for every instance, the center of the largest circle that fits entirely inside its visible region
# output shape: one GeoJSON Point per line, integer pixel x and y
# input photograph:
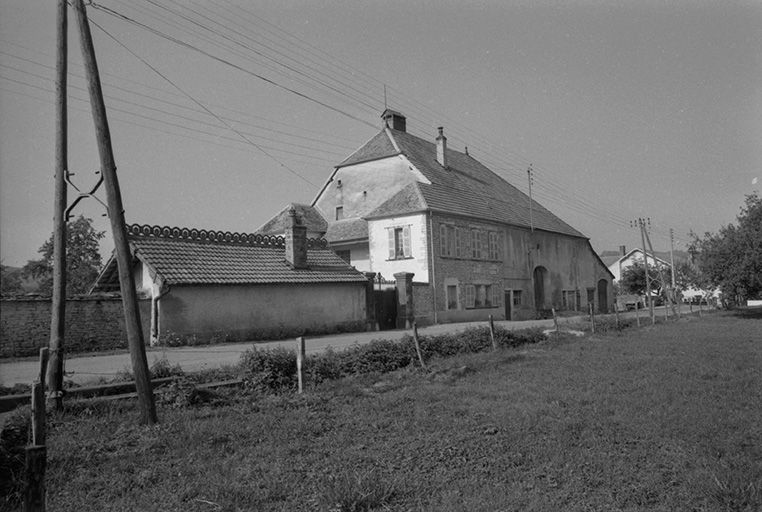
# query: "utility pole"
{"type": "Point", "coordinates": [58, 306]}
{"type": "Point", "coordinates": [672, 264]}
{"type": "Point", "coordinates": [116, 217]}
{"type": "Point", "coordinates": [530, 178]}
{"type": "Point", "coordinates": [642, 225]}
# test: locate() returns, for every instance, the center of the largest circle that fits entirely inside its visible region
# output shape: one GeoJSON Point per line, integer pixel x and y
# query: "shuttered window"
{"type": "Point", "coordinates": [458, 243]}
{"type": "Point", "coordinates": [399, 242]}
{"type": "Point", "coordinates": [497, 294]}
{"type": "Point", "coordinates": [470, 295]}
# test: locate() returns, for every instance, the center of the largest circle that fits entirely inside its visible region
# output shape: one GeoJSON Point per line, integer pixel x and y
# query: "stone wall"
{"type": "Point", "coordinates": [92, 324]}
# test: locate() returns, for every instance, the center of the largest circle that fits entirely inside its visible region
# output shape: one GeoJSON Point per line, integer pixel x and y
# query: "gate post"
{"type": "Point", "coordinates": [405, 310]}
{"type": "Point", "coordinates": [371, 323]}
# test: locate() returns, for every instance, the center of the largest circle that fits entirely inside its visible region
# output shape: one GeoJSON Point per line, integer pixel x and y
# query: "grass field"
{"type": "Point", "coordinates": [663, 418]}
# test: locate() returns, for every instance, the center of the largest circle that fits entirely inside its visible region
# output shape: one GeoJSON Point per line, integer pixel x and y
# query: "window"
{"type": "Point", "coordinates": [452, 297]}
{"type": "Point", "coordinates": [399, 243]}
{"type": "Point", "coordinates": [458, 243]}
{"type": "Point", "coordinates": [476, 248]}
{"type": "Point", "coordinates": [448, 242]}
{"type": "Point", "coordinates": [482, 295]}
{"type": "Point", "coordinates": [494, 253]}
{"type": "Point", "coordinates": [470, 295]}
{"type": "Point", "coordinates": [570, 300]}
{"type": "Point", "coordinates": [517, 297]}
{"type": "Point", "coordinates": [339, 212]}
{"type": "Point", "coordinates": [344, 255]}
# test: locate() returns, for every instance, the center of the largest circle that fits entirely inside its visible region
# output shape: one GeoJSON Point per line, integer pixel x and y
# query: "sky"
{"type": "Point", "coordinates": [224, 111]}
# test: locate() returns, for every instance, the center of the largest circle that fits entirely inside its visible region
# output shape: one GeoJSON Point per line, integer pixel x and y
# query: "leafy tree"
{"type": "Point", "coordinates": [10, 281]}
{"type": "Point", "coordinates": [83, 260]}
{"type": "Point", "coordinates": [732, 258]}
{"type": "Point", "coordinates": [634, 278]}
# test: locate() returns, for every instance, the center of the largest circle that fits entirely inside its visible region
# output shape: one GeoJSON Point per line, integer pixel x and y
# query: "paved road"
{"type": "Point", "coordinates": [91, 368]}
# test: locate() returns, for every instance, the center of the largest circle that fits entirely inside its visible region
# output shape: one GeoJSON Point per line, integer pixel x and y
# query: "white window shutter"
{"type": "Point", "coordinates": [406, 241]}
{"type": "Point", "coordinates": [458, 243]}
{"type": "Point", "coordinates": [443, 240]}
{"type": "Point", "coordinates": [497, 291]}
{"type": "Point", "coordinates": [391, 243]}
{"type": "Point", "coordinates": [470, 295]}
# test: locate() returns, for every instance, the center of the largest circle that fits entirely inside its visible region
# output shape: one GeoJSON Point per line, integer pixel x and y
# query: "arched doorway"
{"type": "Point", "coordinates": [540, 278]}
{"type": "Point", "coordinates": [603, 296]}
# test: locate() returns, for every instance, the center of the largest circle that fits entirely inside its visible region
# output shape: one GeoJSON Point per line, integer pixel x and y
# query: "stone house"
{"type": "Point", "coordinates": [464, 238]}
{"type": "Point", "coordinates": [217, 286]}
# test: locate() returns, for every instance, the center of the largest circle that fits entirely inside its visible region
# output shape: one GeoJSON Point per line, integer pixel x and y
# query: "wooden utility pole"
{"type": "Point", "coordinates": [58, 306]}
{"type": "Point", "coordinates": [672, 263]}
{"type": "Point", "coordinates": [116, 216]}
{"type": "Point", "coordinates": [642, 225]}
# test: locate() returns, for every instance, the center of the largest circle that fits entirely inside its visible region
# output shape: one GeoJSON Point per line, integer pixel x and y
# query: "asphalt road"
{"type": "Point", "coordinates": [94, 367]}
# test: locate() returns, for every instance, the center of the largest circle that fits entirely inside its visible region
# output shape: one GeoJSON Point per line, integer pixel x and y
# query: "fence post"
{"type": "Point", "coordinates": [36, 453]}
{"type": "Point", "coordinates": [592, 318]}
{"type": "Point", "coordinates": [300, 353]}
{"type": "Point", "coordinates": [418, 345]}
{"type": "Point", "coordinates": [616, 314]}
{"type": "Point", "coordinates": [700, 307]}
{"type": "Point", "coordinates": [555, 318]}
{"type": "Point", "coordinates": [637, 313]}
{"type": "Point", "coordinates": [492, 333]}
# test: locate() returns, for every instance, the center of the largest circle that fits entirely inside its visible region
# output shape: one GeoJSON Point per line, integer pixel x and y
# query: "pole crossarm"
{"type": "Point", "coordinates": [84, 195]}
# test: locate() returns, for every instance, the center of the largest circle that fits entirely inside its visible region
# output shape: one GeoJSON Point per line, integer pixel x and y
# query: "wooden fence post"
{"type": "Point", "coordinates": [555, 318]}
{"type": "Point", "coordinates": [637, 313]}
{"type": "Point", "coordinates": [418, 345]}
{"type": "Point", "coordinates": [300, 353]}
{"type": "Point", "coordinates": [616, 314]}
{"type": "Point", "coordinates": [36, 453]}
{"type": "Point", "coordinates": [492, 333]}
{"type": "Point", "coordinates": [592, 318]}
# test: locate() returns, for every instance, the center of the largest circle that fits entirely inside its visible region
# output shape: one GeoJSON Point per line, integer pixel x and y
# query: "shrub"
{"type": "Point", "coordinates": [13, 439]}
{"type": "Point", "coordinates": [163, 368]}
{"type": "Point", "coordinates": [179, 393]}
{"type": "Point", "coordinates": [269, 370]}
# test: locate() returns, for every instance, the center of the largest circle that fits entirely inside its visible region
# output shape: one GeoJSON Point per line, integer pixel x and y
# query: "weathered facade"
{"type": "Point", "coordinates": [212, 286]}
{"type": "Point", "coordinates": [401, 204]}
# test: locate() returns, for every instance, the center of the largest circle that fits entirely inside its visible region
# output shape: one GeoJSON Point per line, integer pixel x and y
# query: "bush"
{"type": "Point", "coordinates": [271, 370]}
{"type": "Point", "coordinates": [179, 393]}
{"type": "Point", "coordinates": [13, 439]}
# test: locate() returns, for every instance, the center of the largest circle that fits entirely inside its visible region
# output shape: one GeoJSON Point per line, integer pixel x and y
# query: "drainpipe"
{"type": "Point", "coordinates": [163, 290]}
{"type": "Point", "coordinates": [433, 273]}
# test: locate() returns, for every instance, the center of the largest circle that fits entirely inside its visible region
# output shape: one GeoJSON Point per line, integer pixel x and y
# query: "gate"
{"type": "Point", "coordinates": [386, 308]}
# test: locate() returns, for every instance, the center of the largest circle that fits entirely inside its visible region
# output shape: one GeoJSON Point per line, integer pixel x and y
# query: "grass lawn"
{"type": "Point", "coordinates": [665, 418]}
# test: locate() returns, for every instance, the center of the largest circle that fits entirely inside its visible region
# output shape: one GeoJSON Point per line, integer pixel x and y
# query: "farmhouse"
{"type": "Point", "coordinates": [217, 286]}
{"type": "Point", "coordinates": [460, 241]}
{"type": "Point", "coordinates": [617, 264]}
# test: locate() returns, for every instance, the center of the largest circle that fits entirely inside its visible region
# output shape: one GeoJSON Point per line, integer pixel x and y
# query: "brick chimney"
{"type": "Point", "coordinates": [394, 120]}
{"type": "Point", "coordinates": [441, 148]}
{"type": "Point", "coordinates": [296, 241]}
{"type": "Point", "coordinates": [622, 250]}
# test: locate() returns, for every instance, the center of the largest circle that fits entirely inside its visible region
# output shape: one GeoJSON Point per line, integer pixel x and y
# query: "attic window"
{"type": "Point", "coordinates": [339, 212]}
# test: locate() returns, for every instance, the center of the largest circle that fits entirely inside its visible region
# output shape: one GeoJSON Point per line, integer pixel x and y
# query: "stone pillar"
{"type": "Point", "coordinates": [370, 303]}
{"type": "Point", "coordinates": [405, 310]}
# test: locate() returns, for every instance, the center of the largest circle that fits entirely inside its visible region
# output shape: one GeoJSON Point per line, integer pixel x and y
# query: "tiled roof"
{"type": "Point", "coordinates": [256, 260]}
{"type": "Point", "coordinates": [378, 147]}
{"type": "Point", "coordinates": [465, 187]}
{"type": "Point", "coordinates": [311, 218]}
{"type": "Point", "coordinates": [346, 230]}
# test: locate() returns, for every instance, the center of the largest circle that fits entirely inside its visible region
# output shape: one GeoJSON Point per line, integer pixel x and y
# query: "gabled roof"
{"type": "Point", "coordinates": [347, 230]}
{"type": "Point", "coordinates": [199, 257]}
{"type": "Point", "coordinates": [609, 261]}
{"type": "Point", "coordinates": [466, 187]}
{"type": "Point", "coordinates": [310, 216]}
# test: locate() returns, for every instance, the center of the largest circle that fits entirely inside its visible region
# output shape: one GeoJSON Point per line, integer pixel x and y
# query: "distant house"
{"type": "Point", "coordinates": [408, 208]}
{"type": "Point", "coordinates": [618, 263]}
{"type": "Point", "coordinates": [218, 286]}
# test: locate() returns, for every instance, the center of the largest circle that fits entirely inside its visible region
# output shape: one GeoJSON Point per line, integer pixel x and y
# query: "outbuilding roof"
{"type": "Point", "coordinates": [200, 257]}
{"type": "Point", "coordinates": [465, 187]}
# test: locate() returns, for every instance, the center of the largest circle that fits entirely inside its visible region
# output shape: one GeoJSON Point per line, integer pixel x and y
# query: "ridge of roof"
{"type": "Point", "coordinates": [211, 236]}
{"type": "Point", "coordinates": [377, 147]}
{"type": "Point", "coordinates": [311, 218]}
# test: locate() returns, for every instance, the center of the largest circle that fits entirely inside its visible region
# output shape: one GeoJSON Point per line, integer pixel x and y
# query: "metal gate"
{"type": "Point", "coordinates": [386, 308]}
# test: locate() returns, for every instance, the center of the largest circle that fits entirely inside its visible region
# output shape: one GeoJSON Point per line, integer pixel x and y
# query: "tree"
{"type": "Point", "coordinates": [732, 258]}
{"type": "Point", "coordinates": [634, 278]}
{"type": "Point", "coordinates": [83, 259]}
{"type": "Point", "coordinates": [10, 281]}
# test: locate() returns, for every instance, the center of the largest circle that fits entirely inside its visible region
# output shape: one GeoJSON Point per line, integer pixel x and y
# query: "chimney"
{"type": "Point", "coordinates": [622, 250]}
{"type": "Point", "coordinates": [394, 120]}
{"type": "Point", "coordinates": [296, 241]}
{"type": "Point", "coordinates": [441, 148]}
